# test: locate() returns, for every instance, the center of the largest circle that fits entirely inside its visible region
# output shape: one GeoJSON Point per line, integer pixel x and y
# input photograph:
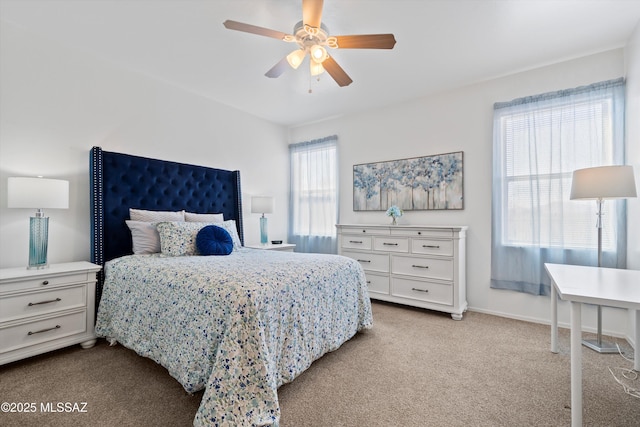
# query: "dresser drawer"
{"type": "Point", "coordinates": [378, 284]}
{"type": "Point", "coordinates": [423, 291]}
{"type": "Point", "coordinates": [432, 247]}
{"type": "Point", "coordinates": [356, 242]}
{"type": "Point", "coordinates": [45, 282]}
{"type": "Point", "coordinates": [40, 331]}
{"type": "Point", "coordinates": [391, 244]}
{"type": "Point", "coordinates": [422, 267]}
{"type": "Point", "coordinates": [428, 232]}
{"type": "Point", "coordinates": [366, 231]}
{"type": "Point", "coordinates": [370, 262]}
{"type": "Point", "coordinates": [35, 303]}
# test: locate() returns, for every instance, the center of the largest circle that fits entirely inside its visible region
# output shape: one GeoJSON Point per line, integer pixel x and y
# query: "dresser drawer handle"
{"type": "Point", "coordinates": [46, 282]}
{"type": "Point", "coordinates": [420, 290]}
{"type": "Point", "coordinates": [44, 302]}
{"type": "Point", "coordinates": [356, 241]}
{"type": "Point", "coordinates": [420, 266]}
{"type": "Point", "coordinates": [44, 330]}
{"type": "Point", "coordinates": [368, 282]}
{"type": "Point", "coordinates": [390, 244]}
{"type": "Point", "coordinates": [431, 246]}
{"type": "Point", "coordinates": [363, 260]}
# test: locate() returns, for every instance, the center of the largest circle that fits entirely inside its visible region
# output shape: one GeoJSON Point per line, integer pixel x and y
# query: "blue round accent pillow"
{"type": "Point", "coordinates": [214, 240]}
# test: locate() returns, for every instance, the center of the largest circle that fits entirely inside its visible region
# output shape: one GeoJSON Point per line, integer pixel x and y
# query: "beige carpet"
{"type": "Point", "coordinates": [414, 368]}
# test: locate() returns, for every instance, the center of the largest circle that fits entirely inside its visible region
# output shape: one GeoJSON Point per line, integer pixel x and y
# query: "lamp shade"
{"type": "Point", "coordinates": [38, 193]}
{"type": "Point", "coordinates": [261, 204]}
{"type": "Point", "coordinates": [603, 182]}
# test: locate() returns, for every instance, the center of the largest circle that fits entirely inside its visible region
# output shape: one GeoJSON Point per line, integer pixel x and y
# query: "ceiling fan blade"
{"type": "Point", "coordinates": [253, 29]}
{"type": "Point", "coordinates": [278, 69]}
{"type": "Point", "coordinates": [367, 41]}
{"type": "Point", "coordinates": [312, 12]}
{"type": "Point", "coordinates": [336, 72]}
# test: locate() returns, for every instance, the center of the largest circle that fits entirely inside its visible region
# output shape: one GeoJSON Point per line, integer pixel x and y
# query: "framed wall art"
{"type": "Point", "coordinates": [419, 183]}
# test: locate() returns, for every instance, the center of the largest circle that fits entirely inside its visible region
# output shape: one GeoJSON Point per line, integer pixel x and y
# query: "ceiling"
{"type": "Point", "coordinates": [441, 44]}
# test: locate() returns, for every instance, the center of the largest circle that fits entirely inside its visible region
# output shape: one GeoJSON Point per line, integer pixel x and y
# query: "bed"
{"type": "Point", "coordinates": [238, 325]}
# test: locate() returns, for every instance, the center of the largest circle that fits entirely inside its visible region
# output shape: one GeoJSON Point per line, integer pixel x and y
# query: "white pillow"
{"type": "Point", "coordinates": [145, 237]}
{"type": "Point", "coordinates": [179, 238]}
{"type": "Point", "coordinates": [155, 216]}
{"type": "Point", "coordinates": [212, 218]}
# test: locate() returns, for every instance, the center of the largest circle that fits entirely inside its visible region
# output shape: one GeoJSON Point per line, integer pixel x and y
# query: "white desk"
{"type": "Point", "coordinates": [592, 285]}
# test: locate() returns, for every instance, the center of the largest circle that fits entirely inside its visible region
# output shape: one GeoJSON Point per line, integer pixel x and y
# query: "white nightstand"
{"type": "Point", "coordinates": [43, 310]}
{"type": "Point", "coordinates": [284, 247]}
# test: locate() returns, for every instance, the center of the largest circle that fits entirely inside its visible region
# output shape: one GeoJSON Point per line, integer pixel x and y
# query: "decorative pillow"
{"type": "Point", "coordinates": [212, 218]}
{"type": "Point", "coordinates": [179, 238]}
{"type": "Point", "coordinates": [155, 216]}
{"type": "Point", "coordinates": [145, 237]}
{"type": "Point", "coordinates": [214, 240]}
{"type": "Point", "coordinates": [230, 226]}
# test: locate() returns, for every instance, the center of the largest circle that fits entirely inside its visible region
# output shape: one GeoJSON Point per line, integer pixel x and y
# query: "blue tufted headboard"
{"type": "Point", "coordinates": [122, 181]}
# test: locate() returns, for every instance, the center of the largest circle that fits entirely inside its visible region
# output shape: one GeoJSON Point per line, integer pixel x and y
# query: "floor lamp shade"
{"type": "Point", "coordinates": [262, 205]}
{"type": "Point", "coordinates": [600, 183]}
{"type": "Point", "coordinates": [603, 182]}
{"type": "Point", "coordinates": [39, 194]}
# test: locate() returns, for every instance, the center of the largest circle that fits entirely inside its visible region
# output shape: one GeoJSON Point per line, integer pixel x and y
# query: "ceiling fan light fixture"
{"type": "Point", "coordinates": [318, 53]}
{"type": "Point", "coordinates": [295, 58]}
{"type": "Point", "coordinates": [316, 68]}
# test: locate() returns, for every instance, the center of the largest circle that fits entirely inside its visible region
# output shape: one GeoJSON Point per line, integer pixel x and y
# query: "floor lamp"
{"type": "Point", "coordinates": [600, 183]}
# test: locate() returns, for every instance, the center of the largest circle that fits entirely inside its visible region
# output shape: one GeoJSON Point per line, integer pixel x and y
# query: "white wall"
{"type": "Point", "coordinates": [57, 103]}
{"type": "Point", "coordinates": [632, 64]}
{"type": "Point", "coordinates": [461, 120]}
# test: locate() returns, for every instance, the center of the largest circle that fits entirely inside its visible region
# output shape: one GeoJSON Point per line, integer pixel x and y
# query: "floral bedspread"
{"type": "Point", "coordinates": [239, 325]}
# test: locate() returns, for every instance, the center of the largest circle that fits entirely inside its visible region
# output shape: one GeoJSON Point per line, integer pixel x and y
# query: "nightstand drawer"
{"type": "Point", "coordinates": [422, 267]}
{"type": "Point", "coordinates": [35, 303]}
{"type": "Point", "coordinates": [356, 242]}
{"type": "Point", "coordinates": [432, 247]}
{"type": "Point", "coordinates": [44, 282]}
{"type": "Point", "coordinates": [27, 334]}
{"type": "Point", "coordinates": [423, 291]}
{"type": "Point", "coordinates": [370, 262]}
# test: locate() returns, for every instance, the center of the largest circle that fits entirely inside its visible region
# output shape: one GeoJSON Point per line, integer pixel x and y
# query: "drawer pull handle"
{"type": "Point", "coordinates": [420, 266]}
{"type": "Point", "coordinates": [44, 330]}
{"type": "Point", "coordinates": [355, 241]}
{"type": "Point", "coordinates": [44, 302]}
{"type": "Point", "coordinates": [46, 282]}
{"type": "Point", "coordinates": [390, 244]}
{"type": "Point", "coordinates": [420, 290]}
{"type": "Point", "coordinates": [368, 282]}
{"type": "Point", "coordinates": [431, 246]}
{"type": "Point", "coordinates": [363, 260]}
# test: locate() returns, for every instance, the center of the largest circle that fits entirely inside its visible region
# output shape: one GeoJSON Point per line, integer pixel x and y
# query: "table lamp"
{"type": "Point", "coordinates": [262, 205]}
{"type": "Point", "coordinates": [38, 193]}
{"type": "Point", "coordinates": [600, 183]}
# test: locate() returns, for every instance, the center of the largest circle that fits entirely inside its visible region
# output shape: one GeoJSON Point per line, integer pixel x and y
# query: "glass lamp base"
{"type": "Point", "coordinates": [263, 230]}
{"type": "Point", "coordinates": [38, 242]}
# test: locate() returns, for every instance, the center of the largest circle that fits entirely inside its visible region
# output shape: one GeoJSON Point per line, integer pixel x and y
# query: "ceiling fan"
{"type": "Point", "coordinates": [312, 37]}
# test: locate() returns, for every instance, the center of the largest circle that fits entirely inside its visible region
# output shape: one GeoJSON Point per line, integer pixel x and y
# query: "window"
{"type": "Point", "coordinates": [314, 195]}
{"type": "Point", "coordinates": [538, 142]}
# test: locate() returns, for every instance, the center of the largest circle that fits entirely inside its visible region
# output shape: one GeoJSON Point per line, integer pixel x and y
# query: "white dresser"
{"type": "Point", "coordinates": [421, 266]}
{"type": "Point", "coordinates": [43, 310]}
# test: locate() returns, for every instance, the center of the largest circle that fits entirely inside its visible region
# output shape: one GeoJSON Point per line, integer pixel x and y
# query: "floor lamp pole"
{"type": "Point", "coordinates": [597, 344]}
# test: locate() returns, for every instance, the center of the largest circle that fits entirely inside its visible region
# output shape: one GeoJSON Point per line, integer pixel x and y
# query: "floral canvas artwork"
{"type": "Point", "coordinates": [420, 183]}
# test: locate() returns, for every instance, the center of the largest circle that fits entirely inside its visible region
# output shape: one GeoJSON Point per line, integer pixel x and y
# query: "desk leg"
{"type": "Point", "coordinates": [636, 351]}
{"type": "Point", "coordinates": [576, 364]}
{"type": "Point", "coordinates": [554, 319]}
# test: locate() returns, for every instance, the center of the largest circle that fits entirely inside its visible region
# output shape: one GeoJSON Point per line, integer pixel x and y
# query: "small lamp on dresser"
{"type": "Point", "coordinates": [262, 205]}
{"type": "Point", "coordinates": [39, 194]}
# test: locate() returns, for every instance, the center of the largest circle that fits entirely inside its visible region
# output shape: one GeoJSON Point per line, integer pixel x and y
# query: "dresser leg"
{"type": "Point", "coordinates": [88, 344]}
{"type": "Point", "coordinates": [456, 316]}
